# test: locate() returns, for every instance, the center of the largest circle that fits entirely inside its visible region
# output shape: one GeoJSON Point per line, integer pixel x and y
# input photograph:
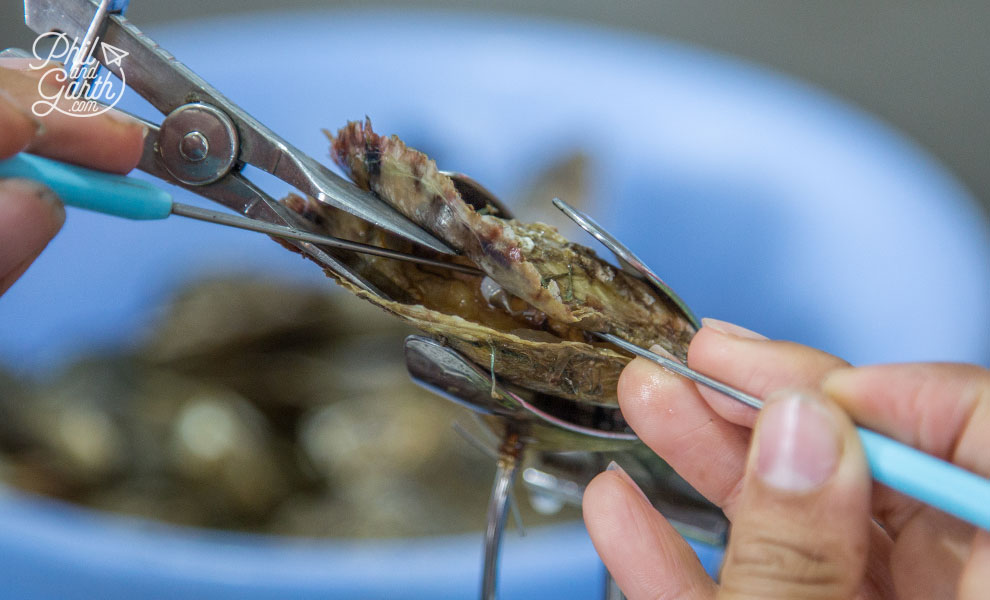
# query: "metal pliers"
{"type": "Point", "coordinates": [205, 139]}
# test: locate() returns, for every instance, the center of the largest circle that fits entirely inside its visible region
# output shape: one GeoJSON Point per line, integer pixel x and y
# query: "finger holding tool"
{"type": "Point", "coordinates": [908, 470]}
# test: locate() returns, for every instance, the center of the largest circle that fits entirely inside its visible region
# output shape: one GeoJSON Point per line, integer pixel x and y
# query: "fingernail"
{"type": "Point", "coordinates": [126, 119]}
{"type": "Point", "coordinates": [13, 104]}
{"type": "Point", "coordinates": [614, 466]}
{"type": "Point", "coordinates": [732, 329]}
{"type": "Point", "coordinates": [658, 349]}
{"type": "Point", "coordinates": [838, 382]}
{"type": "Point", "coordinates": [27, 187]}
{"type": "Point", "coordinates": [18, 63]}
{"type": "Point", "coordinates": [798, 443]}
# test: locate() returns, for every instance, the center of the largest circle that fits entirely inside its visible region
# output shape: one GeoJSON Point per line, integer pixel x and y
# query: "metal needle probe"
{"type": "Point", "coordinates": [212, 216]}
{"type": "Point", "coordinates": [672, 365]}
{"type": "Point", "coordinates": [87, 46]}
{"type": "Point", "coordinates": [134, 199]}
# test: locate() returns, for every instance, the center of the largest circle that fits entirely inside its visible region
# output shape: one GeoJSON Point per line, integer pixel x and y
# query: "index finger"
{"type": "Point", "coordinates": [702, 434]}
{"type": "Point", "coordinates": [18, 126]}
{"type": "Point", "coordinates": [940, 408]}
{"type": "Point", "coordinates": [111, 141]}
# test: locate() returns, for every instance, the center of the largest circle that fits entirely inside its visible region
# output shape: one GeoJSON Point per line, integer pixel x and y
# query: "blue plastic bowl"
{"type": "Point", "coordinates": [759, 199]}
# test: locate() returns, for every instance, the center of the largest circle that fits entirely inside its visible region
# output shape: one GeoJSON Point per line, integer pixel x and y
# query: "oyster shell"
{"type": "Point", "coordinates": [530, 320]}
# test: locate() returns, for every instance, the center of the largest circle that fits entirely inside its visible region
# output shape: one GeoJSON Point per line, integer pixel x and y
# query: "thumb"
{"type": "Point", "coordinates": [30, 215]}
{"type": "Point", "coordinates": [801, 529]}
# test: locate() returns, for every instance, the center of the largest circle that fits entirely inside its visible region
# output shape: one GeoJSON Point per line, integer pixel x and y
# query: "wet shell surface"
{"type": "Point", "coordinates": [530, 320]}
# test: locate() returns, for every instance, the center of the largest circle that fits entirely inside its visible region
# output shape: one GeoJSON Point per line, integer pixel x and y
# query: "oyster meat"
{"type": "Point", "coordinates": [530, 320]}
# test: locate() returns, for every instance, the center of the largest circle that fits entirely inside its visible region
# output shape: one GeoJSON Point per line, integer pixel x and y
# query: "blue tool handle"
{"type": "Point", "coordinates": [933, 481]}
{"type": "Point", "coordinates": [93, 190]}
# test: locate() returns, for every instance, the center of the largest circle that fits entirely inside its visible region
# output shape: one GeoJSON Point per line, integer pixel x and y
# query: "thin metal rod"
{"type": "Point", "coordinates": [86, 45]}
{"type": "Point", "coordinates": [212, 216]}
{"type": "Point", "coordinates": [676, 367]}
{"type": "Point", "coordinates": [612, 591]}
{"type": "Point", "coordinates": [517, 515]}
{"type": "Point", "coordinates": [498, 505]}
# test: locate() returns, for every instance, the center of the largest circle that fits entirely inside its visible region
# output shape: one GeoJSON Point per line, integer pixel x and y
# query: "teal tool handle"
{"type": "Point", "coordinates": [933, 481]}
{"type": "Point", "coordinates": [93, 190]}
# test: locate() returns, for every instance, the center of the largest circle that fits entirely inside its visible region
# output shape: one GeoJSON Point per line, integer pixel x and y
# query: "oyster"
{"type": "Point", "coordinates": [296, 420]}
{"type": "Point", "coordinates": [531, 319]}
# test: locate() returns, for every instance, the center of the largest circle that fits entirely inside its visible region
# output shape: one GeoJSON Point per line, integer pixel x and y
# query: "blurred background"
{"type": "Point", "coordinates": [920, 66]}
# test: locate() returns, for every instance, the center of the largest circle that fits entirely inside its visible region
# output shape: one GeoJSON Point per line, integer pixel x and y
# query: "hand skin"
{"type": "Point", "coordinates": [30, 214]}
{"type": "Point", "coordinates": [807, 522]}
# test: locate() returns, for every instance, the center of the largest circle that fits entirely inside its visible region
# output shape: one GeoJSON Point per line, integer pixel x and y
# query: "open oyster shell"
{"type": "Point", "coordinates": [530, 320]}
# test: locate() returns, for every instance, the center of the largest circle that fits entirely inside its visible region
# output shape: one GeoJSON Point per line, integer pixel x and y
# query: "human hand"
{"type": "Point", "coordinates": [30, 214]}
{"type": "Point", "coordinates": [806, 521]}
